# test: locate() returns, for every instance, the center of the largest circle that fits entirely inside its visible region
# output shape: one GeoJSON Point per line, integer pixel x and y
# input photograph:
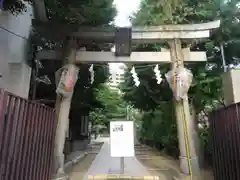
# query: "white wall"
{"type": "Point", "coordinates": [19, 78]}
{"type": "Point", "coordinates": [13, 52]}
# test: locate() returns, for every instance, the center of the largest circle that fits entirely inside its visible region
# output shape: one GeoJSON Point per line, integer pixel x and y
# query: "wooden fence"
{"type": "Point", "coordinates": [27, 134]}
{"type": "Point", "coordinates": [225, 134]}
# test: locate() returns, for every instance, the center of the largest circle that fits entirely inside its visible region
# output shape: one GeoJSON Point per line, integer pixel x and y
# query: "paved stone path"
{"type": "Point", "coordinates": [105, 164]}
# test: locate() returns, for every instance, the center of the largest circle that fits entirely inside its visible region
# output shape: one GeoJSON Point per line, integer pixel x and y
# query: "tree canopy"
{"type": "Point", "coordinates": [84, 12]}
{"type": "Point", "coordinates": [88, 12]}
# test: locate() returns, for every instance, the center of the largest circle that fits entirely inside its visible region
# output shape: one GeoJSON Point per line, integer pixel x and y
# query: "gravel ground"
{"type": "Point", "coordinates": [80, 169]}
{"type": "Point", "coordinates": [161, 165]}
{"type": "Point", "coordinates": [156, 163]}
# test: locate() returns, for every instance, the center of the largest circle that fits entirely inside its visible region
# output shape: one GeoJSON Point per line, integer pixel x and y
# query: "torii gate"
{"type": "Point", "coordinates": [173, 34]}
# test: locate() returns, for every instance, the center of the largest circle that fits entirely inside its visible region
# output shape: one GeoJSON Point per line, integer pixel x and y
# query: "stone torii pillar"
{"type": "Point", "coordinates": [66, 77]}
{"type": "Point", "coordinates": [186, 130]}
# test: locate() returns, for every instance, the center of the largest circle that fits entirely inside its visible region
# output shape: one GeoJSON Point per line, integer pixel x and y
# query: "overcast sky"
{"type": "Point", "coordinates": [125, 8]}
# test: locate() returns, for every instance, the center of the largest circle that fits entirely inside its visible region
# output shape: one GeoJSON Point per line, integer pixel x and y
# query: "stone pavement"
{"type": "Point", "coordinates": [105, 164]}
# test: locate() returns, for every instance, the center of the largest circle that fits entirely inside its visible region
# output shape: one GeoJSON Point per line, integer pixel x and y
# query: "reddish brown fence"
{"type": "Point", "coordinates": [225, 128]}
{"type": "Point", "coordinates": [27, 133]}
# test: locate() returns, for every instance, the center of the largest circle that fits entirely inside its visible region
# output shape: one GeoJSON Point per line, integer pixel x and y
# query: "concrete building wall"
{"type": "Point", "coordinates": [14, 71]}
{"type": "Point", "coordinates": [231, 87]}
{"type": "Point", "coordinates": [19, 79]}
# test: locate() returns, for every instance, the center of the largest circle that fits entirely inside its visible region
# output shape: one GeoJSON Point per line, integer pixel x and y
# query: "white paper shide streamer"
{"type": "Point", "coordinates": [135, 77]}
{"type": "Point", "coordinates": [91, 70]}
{"type": "Point", "coordinates": [157, 74]}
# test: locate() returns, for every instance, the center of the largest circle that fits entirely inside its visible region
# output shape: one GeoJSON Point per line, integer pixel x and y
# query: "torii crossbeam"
{"type": "Point", "coordinates": [135, 57]}
{"type": "Point", "coordinates": [140, 35]}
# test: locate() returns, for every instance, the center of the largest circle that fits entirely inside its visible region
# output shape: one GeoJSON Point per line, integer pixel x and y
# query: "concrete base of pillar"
{"type": "Point", "coordinates": [184, 165]}
{"type": "Point", "coordinates": [186, 177]}
{"type": "Point", "coordinates": [60, 176]}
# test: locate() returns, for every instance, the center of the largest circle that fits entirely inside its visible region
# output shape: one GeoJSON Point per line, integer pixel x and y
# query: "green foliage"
{"type": "Point", "coordinates": [98, 117]}
{"type": "Point", "coordinates": [159, 129]}
{"type": "Point", "coordinates": [84, 96]}
{"type": "Point", "coordinates": [113, 106]}
{"type": "Point", "coordinates": [206, 143]}
{"type": "Point", "coordinates": [15, 6]}
{"type": "Point", "coordinates": [85, 12]}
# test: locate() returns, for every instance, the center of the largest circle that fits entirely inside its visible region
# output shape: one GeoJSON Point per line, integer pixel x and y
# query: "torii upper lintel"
{"type": "Point", "coordinates": [151, 34]}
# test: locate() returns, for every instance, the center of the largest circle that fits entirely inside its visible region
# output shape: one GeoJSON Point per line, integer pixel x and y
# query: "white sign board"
{"type": "Point", "coordinates": [121, 139]}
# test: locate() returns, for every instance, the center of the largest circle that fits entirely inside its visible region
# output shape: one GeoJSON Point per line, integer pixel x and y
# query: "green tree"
{"type": "Point", "coordinates": [85, 12]}
{"type": "Point", "coordinates": [15, 6]}
{"type": "Point", "coordinates": [113, 106]}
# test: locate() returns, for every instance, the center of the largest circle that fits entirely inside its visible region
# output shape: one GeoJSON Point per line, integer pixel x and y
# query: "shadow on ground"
{"type": "Point", "coordinates": [78, 171]}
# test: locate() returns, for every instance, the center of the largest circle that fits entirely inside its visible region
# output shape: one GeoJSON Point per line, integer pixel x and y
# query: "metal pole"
{"type": "Point", "coordinates": [122, 165]}
{"type": "Point", "coordinates": [223, 57]}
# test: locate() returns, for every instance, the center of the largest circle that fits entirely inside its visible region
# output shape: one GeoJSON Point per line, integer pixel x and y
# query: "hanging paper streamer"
{"type": "Point", "coordinates": [135, 78]}
{"type": "Point", "coordinates": [157, 74]}
{"type": "Point", "coordinates": [91, 70]}
{"type": "Point", "coordinates": [179, 81]}
{"type": "Point", "coordinates": [67, 79]}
